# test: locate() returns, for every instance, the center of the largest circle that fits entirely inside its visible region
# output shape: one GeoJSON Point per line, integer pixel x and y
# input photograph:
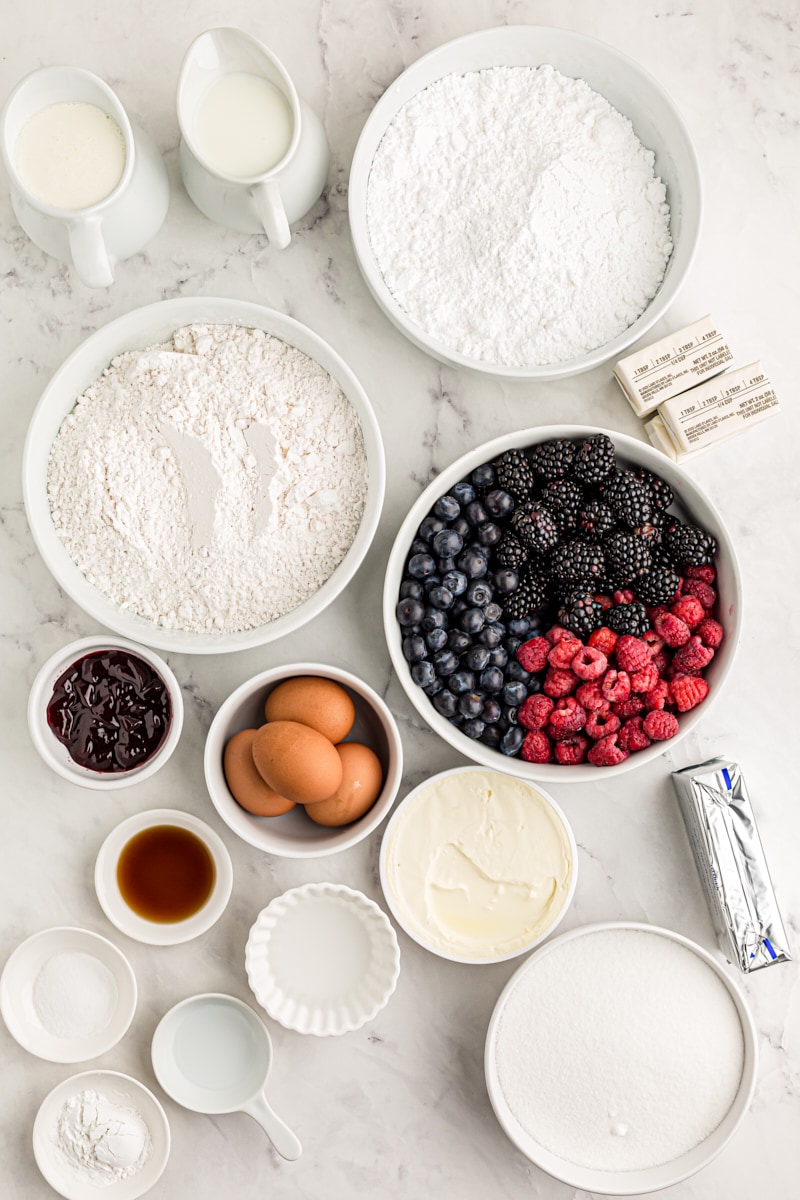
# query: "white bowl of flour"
{"type": "Point", "coordinates": [217, 483]}
{"type": "Point", "coordinates": [524, 202]}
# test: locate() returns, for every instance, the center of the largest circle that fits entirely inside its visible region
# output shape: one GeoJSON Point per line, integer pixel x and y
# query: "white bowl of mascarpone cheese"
{"type": "Point", "coordinates": [478, 866]}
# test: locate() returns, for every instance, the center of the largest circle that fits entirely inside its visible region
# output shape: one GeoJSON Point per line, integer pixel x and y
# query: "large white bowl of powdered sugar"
{"type": "Point", "coordinates": [525, 202]}
{"type": "Point", "coordinates": [203, 475]}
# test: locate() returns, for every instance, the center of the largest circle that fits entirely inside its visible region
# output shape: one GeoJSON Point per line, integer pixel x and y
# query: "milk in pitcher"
{"type": "Point", "coordinates": [243, 126]}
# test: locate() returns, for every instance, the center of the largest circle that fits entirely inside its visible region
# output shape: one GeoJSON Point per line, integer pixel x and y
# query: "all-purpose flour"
{"type": "Point", "coordinates": [212, 483]}
{"type": "Point", "coordinates": [516, 217]}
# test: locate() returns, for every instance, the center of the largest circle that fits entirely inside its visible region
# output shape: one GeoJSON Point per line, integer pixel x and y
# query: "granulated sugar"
{"type": "Point", "coordinates": [516, 217]}
{"type": "Point", "coordinates": [619, 1050]}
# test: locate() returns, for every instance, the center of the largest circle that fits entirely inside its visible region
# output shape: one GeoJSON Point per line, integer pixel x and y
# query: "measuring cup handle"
{"type": "Point", "coordinates": [89, 252]}
{"type": "Point", "coordinates": [278, 1133]}
{"type": "Point", "coordinates": [271, 213]}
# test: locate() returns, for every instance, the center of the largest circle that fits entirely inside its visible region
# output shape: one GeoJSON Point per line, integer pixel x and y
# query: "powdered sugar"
{"type": "Point", "coordinates": [515, 216]}
{"type": "Point", "coordinates": [212, 483]}
{"type": "Point", "coordinates": [102, 1141]}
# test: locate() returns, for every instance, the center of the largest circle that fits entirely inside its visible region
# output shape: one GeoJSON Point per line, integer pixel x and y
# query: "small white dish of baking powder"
{"type": "Point", "coordinates": [67, 994]}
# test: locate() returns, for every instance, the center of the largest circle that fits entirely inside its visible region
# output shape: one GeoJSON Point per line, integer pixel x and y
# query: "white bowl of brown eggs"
{"type": "Point", "coordinates": [303, 760]}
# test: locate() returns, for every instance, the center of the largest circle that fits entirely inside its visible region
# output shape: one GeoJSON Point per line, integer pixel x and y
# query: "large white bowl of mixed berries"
{"type": "Point", "coordinates": [563, 600]}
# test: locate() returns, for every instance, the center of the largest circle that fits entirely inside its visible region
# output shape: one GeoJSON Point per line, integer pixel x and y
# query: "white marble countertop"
{"type": "Point", "coordinates": [400, 1108]}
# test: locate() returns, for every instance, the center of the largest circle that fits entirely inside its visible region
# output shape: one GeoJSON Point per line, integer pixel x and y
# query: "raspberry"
{"type": "Point", "coordinates": [632, 653]}
{"type": "Point", "coordinates": [589, 663]}
{"type": "Point", "coordinates": [567, 717]}
{"type": "Point", "coordinates": [605, 602]}
{"type": "Point", "coordinates": [571, 750]}
{"type": "Point", "coordinates": [558, 682]}
{"type": "Point", "coordinates": [688, 692]}
{"type": "Point", "coordinates": [644, 680]}
{"type": "Point", "coordinates": [564, 651]}
{"type": "Point", "coordinates": [676, 673]}
{"type": "Point", "coordinates": [616, 685]}
{"type": "Point", "coordinates": [689, 609]}
{"type": "Point", "coordinates": [693, 656]}
{"type": "Point", "coordinates": [601, 722]}
{"type": "Point", "coordinates": [557, 633]}
{"type": "Point", "coordinates": [631, 707]}
{"type": "Point", "coordinates": [632, 735]}
{"type": "Point", "coordinates": [532, 655]}
{"type": "Point", "coordinates": [672, 629]}
{"type": "Point", "coordinates": [707, 574]}
{"type": "Point", "coordinates": [623, 596]}
{"type": "Point", "coordinates": [653, 642]}
{"type": "Point", "coordinates": [606, 752]}
{"type": "Point", "coordinates": [536, 748]}
{"type": "Point", "coordinates": [655, 613]}
{"type": "Point", "coordinates": [661, 661]}
{"type": "Point", "coordinates": [590, 696]}
{"type": "Point", "coordinates": [658, 696]}
{"type": "Point", "coordinates": [710, 631]}
{"type": "Point", "coordinates": [534, 713]}
{"type": "Point", "coordinates": [660, 726]}
{"type": "Point", "coordinates": [603, 639]}
{"type": "Point", "coordinates": [704, 592]}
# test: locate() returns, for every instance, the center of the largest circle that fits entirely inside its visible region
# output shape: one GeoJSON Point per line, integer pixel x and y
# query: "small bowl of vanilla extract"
{"type": "Point", "coordinates": [163, 877]}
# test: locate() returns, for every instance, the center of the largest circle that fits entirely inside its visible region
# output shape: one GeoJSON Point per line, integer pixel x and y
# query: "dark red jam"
{"type": "Point", "coordinates": [111, 710]}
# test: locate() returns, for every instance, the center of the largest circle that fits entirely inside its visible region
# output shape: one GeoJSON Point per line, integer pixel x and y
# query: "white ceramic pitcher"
{"type": "Point", "coordinates": [97, 237]}
{"type": "Point", "coordinates": [266, 203]}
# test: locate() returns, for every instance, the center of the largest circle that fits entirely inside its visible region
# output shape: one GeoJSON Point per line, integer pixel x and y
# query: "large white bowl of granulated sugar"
{"type": "Point", "coordinates": [525, 202]}
{"type": "Point", "coordinates": [621, 1058]}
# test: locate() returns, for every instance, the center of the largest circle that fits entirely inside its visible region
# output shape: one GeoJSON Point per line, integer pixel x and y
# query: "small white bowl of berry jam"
{"type": "Point", "coordinates": [105, 713]}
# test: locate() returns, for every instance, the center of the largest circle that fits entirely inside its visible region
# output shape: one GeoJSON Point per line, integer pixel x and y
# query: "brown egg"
{"type": "Point", "coordinates": [362, 780]}
{"type": "Point", "coordinates": [296, 761]}
{"type": "Point", "coordinates": [244, 781]}
{"type": "Point", "coordinates": [319, 703]}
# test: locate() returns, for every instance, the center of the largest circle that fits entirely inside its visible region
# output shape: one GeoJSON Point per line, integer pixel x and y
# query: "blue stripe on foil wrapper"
{"type": "Point", "coordinates": [768, 944]}
{"type": "Point", "coordinates": [727, 779]}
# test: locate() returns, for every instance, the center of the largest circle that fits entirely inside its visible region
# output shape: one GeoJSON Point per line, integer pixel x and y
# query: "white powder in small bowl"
{"type": "Point", "coordinates": [75, 995]}
{"type": "Point", "coordinates": [619, 1050]}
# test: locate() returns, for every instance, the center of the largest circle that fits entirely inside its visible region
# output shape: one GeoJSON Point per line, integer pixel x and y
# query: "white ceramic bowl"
{"type": "Point", "coordinates": [156, 933]}
{"type": "Point", "coordinates": [624, 1183]}
{"type": "Point", "coordinates": [16, 994]}
{"type": "Point", "coordinates": [322, 959]}
{"type": "Point", "coordinates": [626, 85]}
{"type": "Point", "coordinates": [55, 753]}
{"type": "Point", "coordinates": [401, 917]}
{"type": "Point", "coordinates": [294, 835]}
{"type": "Point", "coordinates": [689, 499]}
{"type": "Point", "coordinates": [146, 327]}
{"type": "Point", "coordinates": [122, 1090]}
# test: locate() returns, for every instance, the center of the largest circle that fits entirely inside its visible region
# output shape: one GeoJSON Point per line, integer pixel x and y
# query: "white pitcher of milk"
{"type": "Point", "coordinates": [253, 155]}
{"type": "Point", "coordinates": [87, 186]}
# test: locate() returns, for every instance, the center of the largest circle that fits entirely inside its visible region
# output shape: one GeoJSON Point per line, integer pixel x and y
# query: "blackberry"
{"type": "Point", "coordinates": [553, 460]}
{"type": "Point", "coordinates": [536, 526]}
{"type": "Point", "coordinates": [529, 596]}
{"type": "Point", "coordinates": [627, 558]}
{"type": "Point", "coordinates": [577, 560]}
{"type": "Point", "coordinates": [657, 586]}
{"type": "Point", "coordinates": [510, 552]}
{"type": "Point", "coordinates": [627, 618]}
{"type": "Point", "coordinates": [564, 497]}
{"type": "Point", "coordinates": [580, 613]}
{"type": "Point", "coordinates": [689, 545]}
{"type": "Point", "coordinates": [514, 474]}
{"type": "Point", "coordinates": [629, 498]}
{"type": "Point", "coordinates": [660, 491]}
{"type": "Point", "coordinates": [595, 459]}
{"type": "Point", "coordinates": [650, 534]}
{"type": "Point", "coordinates": [595, 520]}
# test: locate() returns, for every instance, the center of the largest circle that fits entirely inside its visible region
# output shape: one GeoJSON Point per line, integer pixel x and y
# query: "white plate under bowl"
{"type": "Point", "coordinates": [322, 959]}
{"type": "Point", "coordinates": [150, 326]}
{"type": "Point", "coordinates": [16, 994]}
{"type": "Point", "coordinates": [691, 503]}
{"type": "Point", "coordinates": [123, 1090]}
{"type": "Point", "coordinates": [625, 84]}
{"type": "Point", "coordinates": [156, 933]}
{"type": "Point", "coordinates": [651, 1179]}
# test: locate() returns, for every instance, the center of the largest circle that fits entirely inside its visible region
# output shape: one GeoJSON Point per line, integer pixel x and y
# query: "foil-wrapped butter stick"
{"type": "Point", "coordinates": [730, 859]}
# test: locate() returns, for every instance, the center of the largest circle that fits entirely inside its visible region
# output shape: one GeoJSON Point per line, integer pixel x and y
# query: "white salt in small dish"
{"type": "Point", "coordinates": [322, 959]}
{"type": "Point", "coordinates": [120, 1089]}
{"type": "Point", "coordinates": [17, 984]}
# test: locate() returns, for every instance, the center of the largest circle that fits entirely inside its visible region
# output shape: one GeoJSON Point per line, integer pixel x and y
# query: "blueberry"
{"type": "Point", "coordinates": [489, 534]}
{"type": "Point", "coordinates": [479, 593]}
{"type": "Point", "coordinates": [455, 582]}
{"type": "Point", "coordinates": [506, 580]}
{"type": "Point", "coordinates": [414, 648]}
{"type": "Point", "coordinates": [470, 704]}
{"type": "Point", "coordinates": [458, 608]}
{"type": "Point", "coordinates": [423, 673]}
{"type": "Point", "coordinates": [512, 645]}
{"type": "Point", "coordinates": [445, 703]}
{"type": "Point", "coordinates": [492, 680]}
{"type": "Point", "coordinates": [429, 527]}
{"type": "Point", "coordinates": [510, 714]}
{"type": "Point", "coordinates": [458, 642]}
{"type": "Point", "coordinates": [411, 588]}
{"type": "Point", "coordinates": [457, 720]}
{"type": "Point", "coordinates": [483, 477]}
{"type": "Point", "coordinates": [433, 618]}
{"type": "Point", "coordinates": [472, 620]}
{"type": "Point", "coordinates": [410, 612]}
{"type": "Point", "coordinates": [534, 685]}
{"type": "Point", "coordinates": [516, 673]}
{"type": "Point", "coordinates": [492, 711]}
{"type": "Point", "coordinates": [420, 566]}
{"type": "Point", "coordinates": [447, 543]}
{"type": "Point", "coordinates": [512, 740]}
{"type": "Point", "coordinates": [432, 689]}
{"type": "Point", "coordinates": [519, 626]}
{"type": "Point", "coordinates": [476, 514]}
{"type": "Point", "coordinates": [464, 492]}
{"type": "Point", "coordinates": [460, 682]}
{"type": "Point", "coordinates": [499, 503]}
{"type": "Point", "coordinates": [471, 562]}
{"type": "Point", "coordinates": [477, 658]}
{"type": "Point", "coordinates": [445, 663]}
{"type": "Point", "coordinates": [498, 657]}
{"type": "Point", "coordinates": [490, 635]}
{"type": "Point", "coordinates": [462, 526]}
{"type": "Point", "coordinates": [440, 597]}
{"type": "Point", "coordinates": [493, 612]}
{"type": "Point", "coordinates": [491, 736]}
{"type": "Point", "coordinates": [514, 694]}
{"type": "Point", "coordinates": [436, 639]}
{"type": "Point", "coordinates": [418, 546]}
{"type": "Point", "coordinates": [431, 582]}
{"type": "Point", "coordinates": [473, 728]}
{"type": "Point", "coordinates": [447, 507]}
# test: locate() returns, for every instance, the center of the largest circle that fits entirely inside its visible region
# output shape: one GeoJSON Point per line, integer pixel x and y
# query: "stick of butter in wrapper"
{"type": "Point", "coordinates": [730, 860]}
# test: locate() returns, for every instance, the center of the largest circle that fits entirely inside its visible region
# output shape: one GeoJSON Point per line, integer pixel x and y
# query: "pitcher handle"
{"type": "Point", "coordinates": [89, 252]}
{"type": "Point", "coordinates": [281, 1136]}
{"type": "Point", "coordinates": [272, 213]}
